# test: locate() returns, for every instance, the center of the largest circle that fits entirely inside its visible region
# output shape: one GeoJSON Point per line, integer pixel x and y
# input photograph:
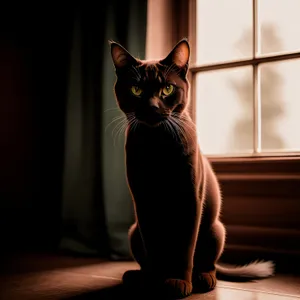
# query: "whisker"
{"type": "Point", "coordinates": [166, 71]}
{"type": "Point", "coordinates": [122, 125]}
{"type": "Point", "coordinates": [135, 124]}
{"type": "Point", "coordinates": [164, 125]}
{"type": "Point", "coordinates": [173, 130]}
{"type": "Point", "coordinates": [131, 120]}
{"type": "Point", "coordinates": [110, 109]}
{"type": "Point", "coordinates": [180, 132]}
{"type": "Point", "coordinates": [117, 128]}
{"type": "Point", "coordinates": [137, 71]}
{"type": "Point", "coordinates": [115, 119]}
{"type": "Point", "coordinates": [136, 74]}
{"type": "Point", "coordinates": [121, 129]}
{"type": "Point", "coordinates": [184, 125]}
{"type": "Point", "coordinates": [184, 120]}
{"type": "Point", "coordinates": [118, 133]}
{"type": "Point", "coordinates": [169, 69]}
{"type": "Point", "coordinates": [186, 129]}
{"type": "Point", "coordinates": [135, 77]}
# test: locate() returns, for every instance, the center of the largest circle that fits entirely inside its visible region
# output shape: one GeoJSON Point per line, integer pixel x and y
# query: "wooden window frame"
{"type": "Point", "coordinates": [261, 193]}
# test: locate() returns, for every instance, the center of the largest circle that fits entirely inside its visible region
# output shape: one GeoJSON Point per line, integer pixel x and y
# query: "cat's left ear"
{"type": "Point", "coordinates": [179, 56]}
{"type": "Point", "coordinates": [120, 56]}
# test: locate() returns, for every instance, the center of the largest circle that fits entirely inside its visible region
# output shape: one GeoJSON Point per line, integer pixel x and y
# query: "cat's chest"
{"type": "Point", "coordinates": [156, 160]}
{"type": "Point", "coordinates": [155, 153]}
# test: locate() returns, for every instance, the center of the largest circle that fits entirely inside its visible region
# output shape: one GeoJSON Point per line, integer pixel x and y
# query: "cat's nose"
{"type": "Point", "coordinates": [154, 108]}
{"type": "Point", "coordinates": [153, 103]}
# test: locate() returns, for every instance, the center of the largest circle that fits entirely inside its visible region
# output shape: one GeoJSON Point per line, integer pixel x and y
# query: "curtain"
{"type": "Point", "coordinates": [96, 207]}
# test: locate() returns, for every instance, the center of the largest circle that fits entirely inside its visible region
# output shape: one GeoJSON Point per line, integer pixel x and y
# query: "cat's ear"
{"type": "Point", "coordinates": [120, 56]}
{"type": "Point", "coordinates": [179, 56]}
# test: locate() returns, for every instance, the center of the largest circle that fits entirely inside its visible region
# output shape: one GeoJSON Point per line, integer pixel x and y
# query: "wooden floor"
{"type": "Point", "coordinates": [61, 277]}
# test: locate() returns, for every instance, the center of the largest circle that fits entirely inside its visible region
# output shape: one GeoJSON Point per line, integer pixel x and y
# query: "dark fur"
{"type": "Point", "coordinates": [177, 238]}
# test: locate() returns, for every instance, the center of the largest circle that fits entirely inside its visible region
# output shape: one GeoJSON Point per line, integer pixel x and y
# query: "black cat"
{"type": "Point", "coordinates": [177, 237]}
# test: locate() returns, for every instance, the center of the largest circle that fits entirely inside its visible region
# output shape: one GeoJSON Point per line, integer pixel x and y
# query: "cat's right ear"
{"type": "Point", "coordinates": [120, 56]}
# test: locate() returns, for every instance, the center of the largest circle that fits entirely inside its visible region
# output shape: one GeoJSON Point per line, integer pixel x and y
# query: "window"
{"type": "Point", "coordinates": [245, 92]}
{"type": "Point", "coordinates": [245, 74]}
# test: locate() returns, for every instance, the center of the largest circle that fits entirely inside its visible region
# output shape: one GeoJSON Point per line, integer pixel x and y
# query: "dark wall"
{"type": "Point", "coordinates": [34, 52]}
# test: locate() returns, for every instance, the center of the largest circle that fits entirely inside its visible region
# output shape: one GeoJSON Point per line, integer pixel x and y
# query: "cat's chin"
{"type": "Point", "coordinates": [151, 124]}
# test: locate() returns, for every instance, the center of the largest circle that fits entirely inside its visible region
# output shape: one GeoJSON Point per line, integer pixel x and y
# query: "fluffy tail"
{"type": "Point", "coordinates": [252, 271]}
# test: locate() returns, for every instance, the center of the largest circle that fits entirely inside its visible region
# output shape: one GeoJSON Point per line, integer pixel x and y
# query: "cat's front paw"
{"type": "Point", "coordinates": [177, 288]}
{"type": "Point", "coordinates": [204, 282]}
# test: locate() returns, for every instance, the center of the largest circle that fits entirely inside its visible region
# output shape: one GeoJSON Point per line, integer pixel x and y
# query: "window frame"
{"type": "Point", "coordinates": [255, 62]}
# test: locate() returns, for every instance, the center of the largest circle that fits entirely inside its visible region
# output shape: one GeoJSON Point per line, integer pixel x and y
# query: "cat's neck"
{"type": "Point", "coordinates": [175, 132]}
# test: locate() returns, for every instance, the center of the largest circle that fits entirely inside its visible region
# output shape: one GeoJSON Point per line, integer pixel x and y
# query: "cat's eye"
{"type": "Point", "coordinates": [136, 91]}
{"type": "Point", "coordinates": [168, 90]}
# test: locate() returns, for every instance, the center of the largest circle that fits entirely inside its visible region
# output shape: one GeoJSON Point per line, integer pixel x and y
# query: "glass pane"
{"type": "Point", "coordinates": [280, 103]}
{"type": "Point", "coordinates": [279, 25]}
{"type": "Point", "coordinates": [224, 30]}
{"type": "Point", "coordinates": [225, 111]}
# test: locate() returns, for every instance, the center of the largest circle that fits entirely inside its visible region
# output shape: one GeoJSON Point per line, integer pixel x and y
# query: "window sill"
{"type": "Point", "coordinates": [266, 165]}
{"type": "Point", "coordinates": [261, 208]}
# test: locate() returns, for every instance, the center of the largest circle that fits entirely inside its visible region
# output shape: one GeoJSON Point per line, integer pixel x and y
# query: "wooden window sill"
{"type": "Point", "coordinates": [261, 208]}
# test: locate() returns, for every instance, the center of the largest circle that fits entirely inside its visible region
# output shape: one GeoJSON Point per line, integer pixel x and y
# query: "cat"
{"type": "Point", "coordinates": [177, 238]}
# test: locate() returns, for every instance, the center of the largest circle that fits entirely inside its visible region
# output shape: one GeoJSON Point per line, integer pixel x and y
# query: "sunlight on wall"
{"type": "Point", "coordinates": [224, 98]}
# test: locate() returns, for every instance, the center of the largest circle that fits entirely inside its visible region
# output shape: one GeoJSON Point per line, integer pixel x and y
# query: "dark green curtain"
{"type": "Point", "coordinates": [96, 204]}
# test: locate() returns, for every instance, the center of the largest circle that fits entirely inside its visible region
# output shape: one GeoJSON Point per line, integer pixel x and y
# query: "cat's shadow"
{"type": "Point", "coordinates": [115, 292]}
{"type": "Point", "coordinates": [111, 292]}
{"type": "Point", "coordinates": [118, 292]}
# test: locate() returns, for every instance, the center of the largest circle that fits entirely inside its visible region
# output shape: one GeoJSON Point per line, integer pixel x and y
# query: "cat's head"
{"type": "Point", "coordinates": [151, 90]}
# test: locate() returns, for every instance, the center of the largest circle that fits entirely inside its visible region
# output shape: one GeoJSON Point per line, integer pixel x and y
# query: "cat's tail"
{"type": "Point", "coordinates": [252, 271]}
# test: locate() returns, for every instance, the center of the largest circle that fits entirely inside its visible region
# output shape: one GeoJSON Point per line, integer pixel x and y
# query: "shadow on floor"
{"type": "Point", "coordinates": [112, 292]}
{"type": "Point", "coordinates": [22, 263]}
{"type": "Point", "coordinates": [116, 292]}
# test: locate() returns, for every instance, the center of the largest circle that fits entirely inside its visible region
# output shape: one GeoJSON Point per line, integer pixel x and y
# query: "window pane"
{"type": "Point", "coordinates": [280, 103]}
{"type": "Point", "coordinates": [224, 30]}
{"type": "Point", "coordinates": [225, 111]}
{"type": "Point", "coordinates": [279, 25]}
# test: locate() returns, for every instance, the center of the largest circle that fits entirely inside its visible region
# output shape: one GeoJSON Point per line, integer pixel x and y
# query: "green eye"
{"type": "Point", "coordinates": [136, 91]}
{"type": "Point", "coordinates": [168, 90]}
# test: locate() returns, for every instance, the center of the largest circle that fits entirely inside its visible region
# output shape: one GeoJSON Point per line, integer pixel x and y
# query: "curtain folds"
{"type": "Point", "coordinates": [96, 204]}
